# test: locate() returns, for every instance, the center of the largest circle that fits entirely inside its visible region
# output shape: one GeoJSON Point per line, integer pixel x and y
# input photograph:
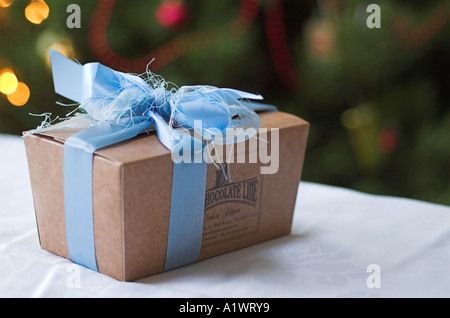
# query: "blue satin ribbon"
{"type": "Point", "coordinates": [123, 105]}
{"type": "Point", "coordinates": [78, 160]}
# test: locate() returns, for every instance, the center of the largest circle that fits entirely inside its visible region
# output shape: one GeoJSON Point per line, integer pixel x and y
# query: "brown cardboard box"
{"type": "Point", "coordinates": [132, 184]}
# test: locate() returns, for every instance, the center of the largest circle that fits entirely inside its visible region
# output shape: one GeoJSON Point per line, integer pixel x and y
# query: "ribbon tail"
{"type": "Point", "coordinates": [260, 107]}
{"type": "Point", "coordinates": [67, 77]}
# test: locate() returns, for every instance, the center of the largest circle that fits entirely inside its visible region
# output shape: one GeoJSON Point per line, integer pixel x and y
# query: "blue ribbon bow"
{"type": "Point", "coordinates": [121, 106]}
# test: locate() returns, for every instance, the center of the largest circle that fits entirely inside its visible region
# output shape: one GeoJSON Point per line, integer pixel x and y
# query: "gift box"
{"type": "Point", "coordinates": [132, 183]}
{"type": "Point", "coordinates": [139, 204]}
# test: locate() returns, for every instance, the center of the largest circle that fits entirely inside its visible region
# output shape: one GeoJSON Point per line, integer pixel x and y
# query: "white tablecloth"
{"type": "Point", "coordinates": [343, 244]}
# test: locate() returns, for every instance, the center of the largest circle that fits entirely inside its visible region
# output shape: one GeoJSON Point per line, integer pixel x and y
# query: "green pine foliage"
{"type": "Point", "coordinates": [377, 99]}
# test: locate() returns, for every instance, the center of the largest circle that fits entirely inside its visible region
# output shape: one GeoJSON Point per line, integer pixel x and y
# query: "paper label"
{"type": "Point", "coordinates": [232, 209]}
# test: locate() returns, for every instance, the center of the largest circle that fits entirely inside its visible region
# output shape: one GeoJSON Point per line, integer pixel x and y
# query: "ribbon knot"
{"type": "Point", "coordinates": [109, 97]}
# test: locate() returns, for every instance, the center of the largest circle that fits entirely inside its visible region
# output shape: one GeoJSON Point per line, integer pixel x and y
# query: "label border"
{"type": "Point", "coordinates": [256, 206]}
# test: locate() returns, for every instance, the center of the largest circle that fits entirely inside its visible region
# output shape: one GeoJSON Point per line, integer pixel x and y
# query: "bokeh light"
{"type": "Point", "coordinates": [54, 39]}
{"type": "Point", "coordinates": [353, 118]}
{"type": "Point", "coordinates": [37, 11]}
{"type": "Point", "coordinates": [8, 81]}
{"type": "Point", "coordinates": [20, 96]}
{"type": "Point", "coordinates": [6, 3]}
{"type": "Point", "coordinates": [64, 47]}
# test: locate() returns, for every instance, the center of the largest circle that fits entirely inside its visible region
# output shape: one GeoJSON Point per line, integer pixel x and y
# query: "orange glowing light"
{"type": "Point", "coordinates": [64, 47]}
{"type": "Point", "coordinates": [20, 96]}
{"type": "Point", "coordinates": [8, 81]}
{"type": "Point", "coordinates": [6, 3]}
{"type": "Point", "coordinates": [37, 11]}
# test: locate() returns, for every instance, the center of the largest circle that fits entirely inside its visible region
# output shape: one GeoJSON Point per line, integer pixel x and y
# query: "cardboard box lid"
{"type": "Point", "coordinates": [143, 148]}
{"type": "Point", "coordinates": [139, 149]}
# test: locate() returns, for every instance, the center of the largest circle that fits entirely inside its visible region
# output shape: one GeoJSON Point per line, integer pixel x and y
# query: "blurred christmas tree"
{"type": "Point", "coordinates": [377, 98]}
{"type": "Point", "coordinates": [388, 88]}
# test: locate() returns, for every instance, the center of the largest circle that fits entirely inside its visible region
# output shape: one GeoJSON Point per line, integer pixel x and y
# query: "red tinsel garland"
{"type": "Point", "coordinates": [185, 43]}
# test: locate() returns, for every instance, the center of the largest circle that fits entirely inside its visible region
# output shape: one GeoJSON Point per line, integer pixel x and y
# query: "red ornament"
{"type": "Point", "coordinates": [388, 139]}
{"type": "Point", "coordinates": [172, 14]}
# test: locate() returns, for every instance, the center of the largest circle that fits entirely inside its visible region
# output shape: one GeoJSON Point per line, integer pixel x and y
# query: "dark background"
{"type": "Point", "coordinates": [377, 98]}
